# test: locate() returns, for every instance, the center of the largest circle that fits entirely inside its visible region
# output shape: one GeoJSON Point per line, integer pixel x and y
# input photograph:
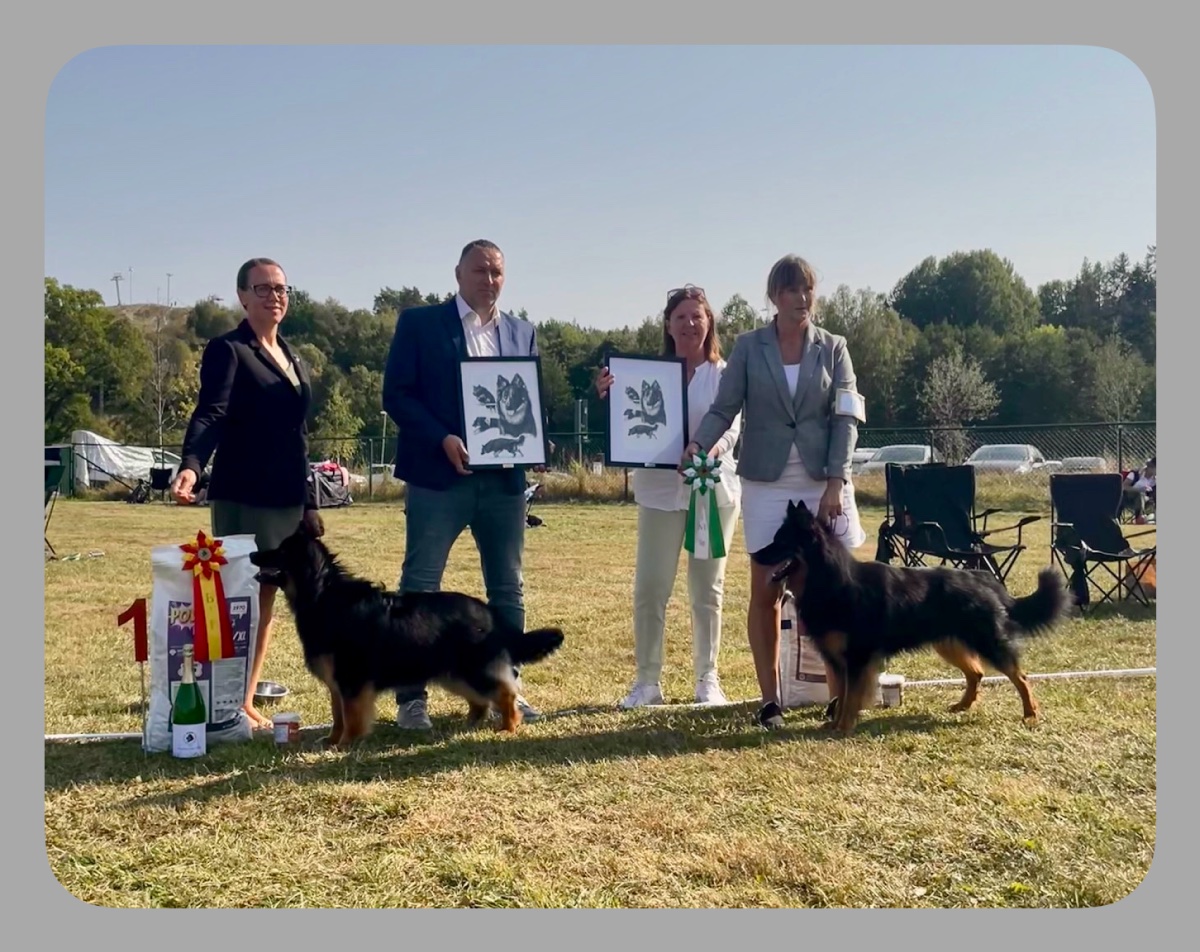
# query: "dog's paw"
{"type": "Point", "coordinates": [331, 741]}
{"type": "Point", "coordinates": [959, 706]}
{"type": "Point", "coordinates": [1032, 721]}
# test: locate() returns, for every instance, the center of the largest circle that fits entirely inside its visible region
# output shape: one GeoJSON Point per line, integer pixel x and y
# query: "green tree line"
{"type": "Point", "coordinates": [959, 340]}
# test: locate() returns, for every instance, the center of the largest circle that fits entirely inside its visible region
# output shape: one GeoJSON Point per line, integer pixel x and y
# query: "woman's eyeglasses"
{"type": "Point", "coordinates": [688, 290]}
{"type": "Point", "coordinates": [266, 290]}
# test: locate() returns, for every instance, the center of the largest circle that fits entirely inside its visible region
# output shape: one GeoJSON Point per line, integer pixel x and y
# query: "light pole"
{"type": "Point", "coordinates": [131, 284]}
{"type": "Point", "coordinates": [168, 289]}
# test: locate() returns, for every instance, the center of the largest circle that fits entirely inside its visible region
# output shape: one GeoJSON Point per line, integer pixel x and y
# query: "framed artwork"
{"type": "Point", "coordinates": [647, 412]}
{"type": "Point", "coordinates": [501, 401]}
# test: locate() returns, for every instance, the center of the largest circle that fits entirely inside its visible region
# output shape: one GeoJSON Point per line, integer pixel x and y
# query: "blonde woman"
{"type": "Point", "coordinates": [796, 386]}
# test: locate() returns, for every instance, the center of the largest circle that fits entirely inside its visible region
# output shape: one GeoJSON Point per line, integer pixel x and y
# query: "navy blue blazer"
{"type": "Point", "coordinates": [421, 385]}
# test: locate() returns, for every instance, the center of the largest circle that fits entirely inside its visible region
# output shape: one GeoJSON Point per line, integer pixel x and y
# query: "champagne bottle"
{"type": "Point", "coordinates": [188, 717]}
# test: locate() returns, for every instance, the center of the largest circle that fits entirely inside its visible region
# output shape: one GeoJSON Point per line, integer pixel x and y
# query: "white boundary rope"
{"type": "Point", "coordinates": [937, 682]}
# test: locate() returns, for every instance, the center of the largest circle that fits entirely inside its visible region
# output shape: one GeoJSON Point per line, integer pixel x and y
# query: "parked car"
{"type": "Point", "coordinates": [1015, 459]}
{"type": "Point", "coordinates": [1084, 464]}
{"type": "Point", "coordinates": [861, 455]}
{"type": "Point", "coordinates": [900, 453]}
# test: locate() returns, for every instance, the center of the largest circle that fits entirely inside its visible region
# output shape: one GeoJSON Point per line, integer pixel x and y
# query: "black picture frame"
{"type": "Point", "coordinates": [493, 440]}
{"type": "Point", "coordinates": [631, 440]}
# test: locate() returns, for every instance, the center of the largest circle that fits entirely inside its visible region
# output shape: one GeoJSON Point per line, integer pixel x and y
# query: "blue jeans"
{"type": "Point", "coordinates": [436, 518]}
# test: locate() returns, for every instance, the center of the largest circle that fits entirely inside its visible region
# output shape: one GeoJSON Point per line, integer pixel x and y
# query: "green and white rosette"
{"type": "Point", "coordinates": [702, 535]}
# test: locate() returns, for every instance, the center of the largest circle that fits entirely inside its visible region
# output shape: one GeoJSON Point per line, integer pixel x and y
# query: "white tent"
{"type": "Point", "coordinates": [99, 459]}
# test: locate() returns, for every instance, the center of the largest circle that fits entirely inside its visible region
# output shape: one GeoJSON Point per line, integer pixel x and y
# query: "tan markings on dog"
{"type": "Point", "coordinates": [322, 668]}
{"type": "Point", "coordinates": [1028, 704]}
{"type": "Point", "coordinates": [969, 664]}
{"type": "Point", "coordinates": [852, 700]}
{"type": "Point", "coordinates": [833, 644]}
{"type": "Point", "coordinates": [359, 715]}
{"type": "Point", "coordinates": [506, 704]}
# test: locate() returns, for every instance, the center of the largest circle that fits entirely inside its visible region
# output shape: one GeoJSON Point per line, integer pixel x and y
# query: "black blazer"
{"type": "Point", "coordinates": [421, 390]}
{"type": "Point", "coordinates": [253, 417]}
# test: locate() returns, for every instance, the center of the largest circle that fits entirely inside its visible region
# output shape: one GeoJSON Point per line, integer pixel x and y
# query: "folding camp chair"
{"type": "Point", "coordinates": [939, 521]}
{"type": "Point", "coordinates": [893, 536]}
{"type": "Point", "coordinates": [54, 473]}
{"type": "Point", "coordinates": [898, 521]}
{"type": "Point", "coordinates": [1086, 541]}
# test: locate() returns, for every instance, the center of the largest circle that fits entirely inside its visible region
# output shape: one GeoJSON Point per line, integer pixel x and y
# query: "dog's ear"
{"type": "Point", "coordinates": [501, 383]}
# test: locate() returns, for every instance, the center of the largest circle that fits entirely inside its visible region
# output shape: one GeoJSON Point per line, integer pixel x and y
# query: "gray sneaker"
{"type": "Point", "coordinates": [413, 716]}
{"type": "Point", "coordinates": [528, 711]}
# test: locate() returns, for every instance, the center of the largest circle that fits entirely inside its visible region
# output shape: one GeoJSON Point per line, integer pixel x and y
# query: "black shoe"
{"type": "Point", "coordinates": [831, 710]}
{"type": "Point", "coordinates": [770, 716]}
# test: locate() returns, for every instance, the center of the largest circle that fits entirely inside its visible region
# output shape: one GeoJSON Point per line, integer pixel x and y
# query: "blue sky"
{"type": "Point", "coordinates": [607, 174]}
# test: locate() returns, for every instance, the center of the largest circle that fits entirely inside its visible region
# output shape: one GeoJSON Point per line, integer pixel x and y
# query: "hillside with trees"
{"type": "Point", "coordinates": [960, 340]}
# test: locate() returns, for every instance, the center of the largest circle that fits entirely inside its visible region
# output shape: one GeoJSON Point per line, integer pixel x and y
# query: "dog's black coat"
{"type": "Point", "coordinates": [363, 636]}
{"type": "Point", "coordinates": [861, 613]}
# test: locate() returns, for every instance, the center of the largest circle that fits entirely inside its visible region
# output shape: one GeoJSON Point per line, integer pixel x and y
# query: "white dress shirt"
{"type": "Point", "coordinates": [482, 339]}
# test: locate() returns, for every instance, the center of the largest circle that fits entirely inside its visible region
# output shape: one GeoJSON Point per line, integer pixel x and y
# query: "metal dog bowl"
{"type": "Point", "coordinates": [269, 691]}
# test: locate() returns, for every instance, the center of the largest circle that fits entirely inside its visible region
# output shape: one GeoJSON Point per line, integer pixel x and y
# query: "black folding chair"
{"type": "Point", "coordinates": [1086, 541]}
{"type": "Point", "coordinates": [893, 537]}
{"type": "Point", "coordinates": [160, 480]}
{"type": "Point", "coordinates": [939, 521]}
{"type": "Point", "coordinates": [54, 474]}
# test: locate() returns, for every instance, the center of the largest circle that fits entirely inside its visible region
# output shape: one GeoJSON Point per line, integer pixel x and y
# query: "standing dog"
{"type": "Point", "coordinates": [359, 639]}
{"type": "Point", "coordinates": [859, 614]}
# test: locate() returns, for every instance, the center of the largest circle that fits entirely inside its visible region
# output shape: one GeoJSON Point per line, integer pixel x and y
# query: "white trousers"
{"type": "Point", "coordinates": [660, 540]}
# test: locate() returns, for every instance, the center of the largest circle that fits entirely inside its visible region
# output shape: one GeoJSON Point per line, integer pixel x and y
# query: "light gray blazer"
{"type": "Point", "coordinates": [774, 419]}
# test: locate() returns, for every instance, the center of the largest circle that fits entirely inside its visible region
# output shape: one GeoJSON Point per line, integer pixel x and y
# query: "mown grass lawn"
{"type": "Point", "coordinates": [591, 806]}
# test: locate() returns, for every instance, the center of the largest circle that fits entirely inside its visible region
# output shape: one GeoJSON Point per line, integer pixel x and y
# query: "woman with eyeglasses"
{"type": "Point", "coordinates": [795, 385]}
{"type": "Point", "coordinates": [689, 332]}
{"type": "Point", "coordinates": [254, 397]}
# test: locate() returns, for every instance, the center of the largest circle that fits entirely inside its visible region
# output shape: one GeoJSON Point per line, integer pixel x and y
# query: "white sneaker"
{"type": "Point", "coordinates": [708, 691]}
{"type": "Point", "coordinates": [413, 716]}
{"type": "Point", "coordinates": [640, 695]}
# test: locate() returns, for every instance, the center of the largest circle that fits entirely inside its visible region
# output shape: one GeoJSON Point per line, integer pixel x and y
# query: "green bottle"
{"type": "Point", "coordinates": [188, 719]}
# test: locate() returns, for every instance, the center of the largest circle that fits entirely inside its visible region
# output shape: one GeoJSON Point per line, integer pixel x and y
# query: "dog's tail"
{"type": "Point", "coordinates": [533, 645]}
{"type": "Point", "coordinates": [1042, 610]}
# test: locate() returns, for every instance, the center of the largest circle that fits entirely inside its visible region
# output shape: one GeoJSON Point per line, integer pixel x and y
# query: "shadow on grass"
{"type": "Point", "coordinates": [393, 754]}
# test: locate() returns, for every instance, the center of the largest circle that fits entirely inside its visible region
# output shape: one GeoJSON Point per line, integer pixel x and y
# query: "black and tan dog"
{"type": "Point", "coordinates": [859, 614]}
{"type": "Point", "coordinates": [359, 639]}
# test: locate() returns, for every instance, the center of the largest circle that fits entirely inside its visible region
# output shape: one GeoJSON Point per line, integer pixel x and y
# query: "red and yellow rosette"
{"type": "Point", "coordinates": [213, 630]}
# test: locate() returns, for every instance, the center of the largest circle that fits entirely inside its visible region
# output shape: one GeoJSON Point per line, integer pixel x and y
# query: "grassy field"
{"type": "Point", "coordinates": [592, 806]}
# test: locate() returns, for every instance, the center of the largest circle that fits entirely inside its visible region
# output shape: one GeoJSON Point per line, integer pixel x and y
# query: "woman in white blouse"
{"type": "Point", "coordinates": [689, 331]}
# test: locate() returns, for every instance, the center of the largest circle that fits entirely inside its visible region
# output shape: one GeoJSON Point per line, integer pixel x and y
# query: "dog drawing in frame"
{"type": "Point", "coordinates": [359, 639]}
{"type": "Point", "coordinates": [859, 614]}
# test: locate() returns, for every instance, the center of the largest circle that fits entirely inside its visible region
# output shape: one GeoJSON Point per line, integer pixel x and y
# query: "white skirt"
{"type": "Point", "coordinates": [764, 507]}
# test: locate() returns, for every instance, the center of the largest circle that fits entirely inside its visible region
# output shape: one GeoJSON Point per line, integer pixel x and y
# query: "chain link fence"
{"type": "Point", "coordinates": [1121, 446]}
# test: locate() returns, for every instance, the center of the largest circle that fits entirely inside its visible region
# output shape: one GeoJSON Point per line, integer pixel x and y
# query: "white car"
{"type": "Point", "coordinates": [900, 453]}
{"type": "Point", "coordinates": [861, 455]}
{"type": "Point", "coordinates": [1015, 459]}
{"type": "Point", "coordinates": [1084, 464]}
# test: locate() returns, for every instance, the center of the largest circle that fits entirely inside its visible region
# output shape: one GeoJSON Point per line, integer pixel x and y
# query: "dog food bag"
{"type": "Point", "coordinates": [801, 668]}
{"type": "Point", "coordinates": [209, 581]}
{"type": "Point", "coordinates": [802, 680]}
